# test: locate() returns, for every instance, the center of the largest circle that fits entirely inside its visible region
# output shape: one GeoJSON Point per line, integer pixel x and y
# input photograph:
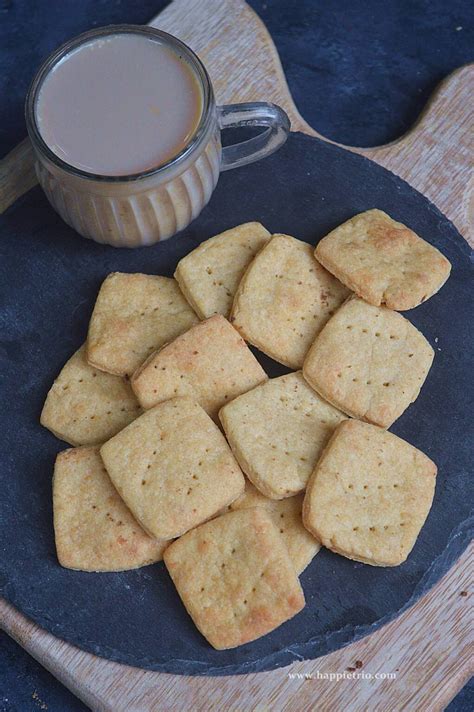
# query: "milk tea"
{"type": "Point", "coordinates": [119, 105]}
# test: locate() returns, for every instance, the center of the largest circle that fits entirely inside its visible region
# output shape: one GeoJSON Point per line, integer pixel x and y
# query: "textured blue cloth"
{"type": "Point", "coordinates": [359, 72]}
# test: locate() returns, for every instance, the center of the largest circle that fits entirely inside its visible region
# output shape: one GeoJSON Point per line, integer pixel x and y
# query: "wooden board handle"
{"type": "Point", "coordinates": [17, 174]}
{"type": "Point", "coordinates": [435, 156]}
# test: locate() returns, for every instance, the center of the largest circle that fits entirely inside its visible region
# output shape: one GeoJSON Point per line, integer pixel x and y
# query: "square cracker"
{"type": "Point", "coordinates": [173, 468]}
{"type": "Point", "coordinates": [369, 495]}
{"type": "Point", "coordinates": [369, 361]}
{"type": "Point", "coordinates": [286, 515]}
{"type": "Point", "coordinates": [383, 261]}
{"type": "Point", "coordinates": [235, 577]}
{"type": "Point", "coordinates": [210, 363]}
{"type": "Point", "coordinates": [209, 275]}
{"type": "Point", "coordinates": [134, 315]}
{"type": "Point", "coordinates": [86, 406]}
{"type": "Point", "coordinates": [94, 530]}
{"type": "Point", "coordinates": [277, 433]}
{"type": "Point", "coordinates": [284, 299]}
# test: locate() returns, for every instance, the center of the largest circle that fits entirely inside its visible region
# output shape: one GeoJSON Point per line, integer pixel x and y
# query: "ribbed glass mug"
{"type": "Point", "coordinates": [144, 208]}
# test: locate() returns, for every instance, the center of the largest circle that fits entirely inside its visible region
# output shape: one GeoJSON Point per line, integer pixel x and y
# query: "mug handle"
{"type": "Point", "coordinates": [257, 113]}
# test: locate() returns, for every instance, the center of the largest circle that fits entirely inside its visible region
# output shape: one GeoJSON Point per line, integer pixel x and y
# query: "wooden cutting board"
{"type": "Point", "coordinates": [428, 646]}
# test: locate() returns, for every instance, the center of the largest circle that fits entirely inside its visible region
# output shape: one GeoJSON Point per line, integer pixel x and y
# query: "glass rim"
{"type": "Point", "coordinates": [52, 60]}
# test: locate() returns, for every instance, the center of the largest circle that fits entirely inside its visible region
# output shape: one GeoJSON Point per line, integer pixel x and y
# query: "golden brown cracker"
{"type": "Point", "coordinates": [173, 468]}
{"type": "Point", "coordinates": [209, 275]}
{"type": "Point", "coordinates": [369, 361]}
{"type": "Point", "coordinates": [93, 528]}
{"type": "Point", "coordinates": [369, 495]}
{"type": "Point", "coordinates": [383, 261]}
{"type": "Point", "coordinates": [278, 431]}
{"type": "Point", "coordinates": [134, 315]}
{"type": "Point", "coordinates": [86, 406]}
{"type": "Point", "coordinates": [210, 363]}
{"type": "Point", "coordinates": [235, 577]}
{"type": "Point", "coordinates": [284, 299]}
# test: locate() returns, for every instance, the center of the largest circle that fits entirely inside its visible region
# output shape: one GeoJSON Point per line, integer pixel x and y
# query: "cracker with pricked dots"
{"type": "Point", "coordinates": [209, 275]}
{"type": "Point", "coordinates": [286, 515]}
{"type": "Point", "coordinates": [134, 315]}
{"type": "Point", "coordinates": [369, 361]}
{"type": "Point", "coordinates": [369, 495]}
{"type": "Point", "coordinates": [93, 528]}
{"type": "Point", "coordinates": [86, 406]}
{"type": "Point", "coordinates": [173, 468]}
{"type": "Point", "coordinates": [235, 577]}
{"type": "Point", "coordinates": [383, 261]}
{"type": "Point", "coordinates": [278, 431]}
{"type": "Point", "coordinates": [284, 299]}
{"type": "Point", "coordinates": [210, 363]}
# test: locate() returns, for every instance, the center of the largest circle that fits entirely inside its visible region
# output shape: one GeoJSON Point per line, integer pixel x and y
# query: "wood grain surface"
{"type": "Point", "coordinates": [429, 648]}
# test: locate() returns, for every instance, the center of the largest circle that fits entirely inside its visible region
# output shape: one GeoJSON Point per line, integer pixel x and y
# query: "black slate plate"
{"type": "Point", "coordinates": [49, 279]}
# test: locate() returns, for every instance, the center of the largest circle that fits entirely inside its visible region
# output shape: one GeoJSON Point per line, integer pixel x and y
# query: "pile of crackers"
{"type": "Point", "coordinates": [185, 450]}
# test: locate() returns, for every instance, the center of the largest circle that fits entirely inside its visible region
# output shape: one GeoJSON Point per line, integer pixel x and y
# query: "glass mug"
{"type": "Point", "coordinates": [146, 207]}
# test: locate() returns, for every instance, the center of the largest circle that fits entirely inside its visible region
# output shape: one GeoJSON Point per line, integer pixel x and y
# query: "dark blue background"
{"type": "Point", "coordinates": [360, 72]}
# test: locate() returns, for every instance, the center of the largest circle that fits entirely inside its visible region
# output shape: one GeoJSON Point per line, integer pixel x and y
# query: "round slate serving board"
{"type": "Point", "coordinates": [48, 283]}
